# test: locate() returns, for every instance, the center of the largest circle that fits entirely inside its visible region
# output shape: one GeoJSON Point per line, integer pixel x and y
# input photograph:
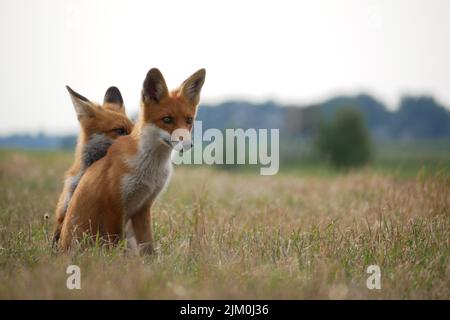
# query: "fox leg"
{"type": "Point", "coordinates": [57, 228]}
{"type": "Point", "coordinates": [132, 246]}
{"type": "Point", "coordinates": [142, 225]}
{"type": "Point", "coordinates": [61, 209]}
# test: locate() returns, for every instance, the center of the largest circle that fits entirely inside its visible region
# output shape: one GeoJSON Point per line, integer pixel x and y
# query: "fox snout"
{"type": "Point", "coordinates": [182, 146]}
{"type": "Point", "coordinates": [181, 140]}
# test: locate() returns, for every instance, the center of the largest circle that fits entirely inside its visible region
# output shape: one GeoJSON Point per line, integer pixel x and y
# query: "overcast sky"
{"type": "Point", "coordinates": [289, 51]}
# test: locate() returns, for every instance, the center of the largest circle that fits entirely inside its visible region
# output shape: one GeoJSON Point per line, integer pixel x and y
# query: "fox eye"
{"type": "Point", "coordinates": [121, 131]}
{"type": "Point", "coordinates": [189, 120]}
{"type": "Point", "coordinates": [167, 119]}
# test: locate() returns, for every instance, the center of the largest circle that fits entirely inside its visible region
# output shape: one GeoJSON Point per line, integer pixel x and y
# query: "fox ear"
{"type": "Point", "coordinates": [83, 107]}
{"type": "Point", "coordinates": [113, 99]}
{"type": "Point", "coordinates": [192, 86]}
{"type": "Point", "coordinates": [154, 88]}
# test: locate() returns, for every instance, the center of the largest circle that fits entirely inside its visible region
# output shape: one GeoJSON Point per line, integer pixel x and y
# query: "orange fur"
{"type": "Point", "coordinates": [105, 119]}
{"type": "Point", "coordinates": [98, 206]}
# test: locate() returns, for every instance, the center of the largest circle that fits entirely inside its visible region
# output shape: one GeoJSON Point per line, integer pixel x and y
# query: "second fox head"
{"type": "Point", "coordinates": [108, 119]}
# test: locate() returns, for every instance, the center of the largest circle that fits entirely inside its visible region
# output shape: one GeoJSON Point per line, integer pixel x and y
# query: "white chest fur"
{"type": "Point", "coordinates": [150, 171]}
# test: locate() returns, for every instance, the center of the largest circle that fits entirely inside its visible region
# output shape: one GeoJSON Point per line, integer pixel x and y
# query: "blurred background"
{"type": "Point", "coordinates": [348, 83]}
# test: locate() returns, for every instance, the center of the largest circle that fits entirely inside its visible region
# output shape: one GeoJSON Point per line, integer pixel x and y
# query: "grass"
{"type": "Point", "coordinates": [222, 234]}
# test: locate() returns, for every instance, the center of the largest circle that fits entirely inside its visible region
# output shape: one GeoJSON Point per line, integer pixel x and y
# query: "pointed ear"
{"type": "Point", "coordinates": [192, 86]}
{"type": "Point", "coordinates": [113, 99]}
{"type": "Point", "coordinates": [83, 107]}
{"type": "Point", "coordinates": [154, 88]}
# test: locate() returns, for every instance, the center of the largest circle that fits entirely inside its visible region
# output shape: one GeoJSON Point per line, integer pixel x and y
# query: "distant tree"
{"type": "Point", "coordinates": [420, 118]}
{"type": "Point", "coordinates": [344, 140]}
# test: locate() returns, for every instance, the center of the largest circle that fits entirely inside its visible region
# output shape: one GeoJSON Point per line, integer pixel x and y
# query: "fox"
{"type": "Point", "coordinates": [120, 189]}
{"type": "Point", "coordinates": [100, 126]}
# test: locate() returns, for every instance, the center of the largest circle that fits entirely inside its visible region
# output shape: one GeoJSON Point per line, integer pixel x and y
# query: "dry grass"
{"type": "Point", "coordinates": [222, 235]}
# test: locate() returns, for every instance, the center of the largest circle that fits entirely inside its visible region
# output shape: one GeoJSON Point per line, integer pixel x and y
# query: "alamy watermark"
{"type": "Point", "coordinates": [229, 147]}
{"type": "Point", "coordinates": [74, 279]}
{"type": "Point", "coordinates": [374, 280]}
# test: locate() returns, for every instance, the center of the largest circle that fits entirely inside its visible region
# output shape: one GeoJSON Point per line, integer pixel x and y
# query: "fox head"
{"type": "Point", "coordinates": [108, 119]}
{"type": "Point", "coordinates": [171, 114]}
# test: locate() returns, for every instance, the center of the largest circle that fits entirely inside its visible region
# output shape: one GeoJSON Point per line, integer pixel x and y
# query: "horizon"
{"type": "Point", "coordinates": [74, 131]}
{"type": "Point", "coordinates": [293, 53]}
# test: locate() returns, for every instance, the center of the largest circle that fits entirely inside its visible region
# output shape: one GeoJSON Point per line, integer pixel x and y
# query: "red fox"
{"type": "Point", "coordinates": [100, 126]}
{"type": "Point", "coordinates": [123, 185]}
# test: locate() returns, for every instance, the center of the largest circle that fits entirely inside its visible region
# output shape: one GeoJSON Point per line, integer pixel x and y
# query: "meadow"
{"type": "Point", "coordinates": [222, 234]}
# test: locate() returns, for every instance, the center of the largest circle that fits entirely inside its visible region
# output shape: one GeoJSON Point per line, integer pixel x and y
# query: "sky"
{"type": "Point", "coordinates": [292, 52]}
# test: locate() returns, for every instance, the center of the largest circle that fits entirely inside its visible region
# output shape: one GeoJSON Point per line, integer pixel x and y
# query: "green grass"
{"type": "Point", "coordinates": [299, 234]}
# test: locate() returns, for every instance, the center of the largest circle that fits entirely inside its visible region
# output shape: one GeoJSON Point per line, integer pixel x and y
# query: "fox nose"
{"type": "Point", "coordinates": [183, 145]}
{"type": "Point", "coordinates": [182, 139]}
{"type": "Point", "coordinates": [187, 145]}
